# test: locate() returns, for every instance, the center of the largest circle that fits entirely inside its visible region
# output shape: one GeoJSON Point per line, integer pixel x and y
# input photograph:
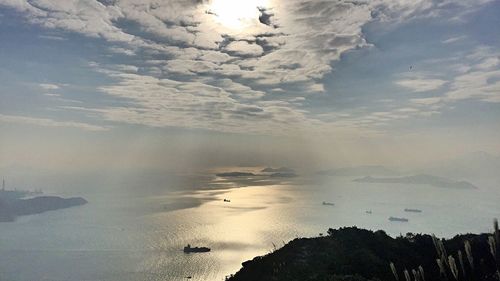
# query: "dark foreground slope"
{"type": "Point", "coordinates": [11, 208]}
{"type": "Point", "coordinates": [357, 254]}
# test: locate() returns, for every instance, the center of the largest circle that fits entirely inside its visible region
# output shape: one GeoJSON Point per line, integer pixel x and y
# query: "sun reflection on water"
{"type": "Point", "coordinates": [236, 231]}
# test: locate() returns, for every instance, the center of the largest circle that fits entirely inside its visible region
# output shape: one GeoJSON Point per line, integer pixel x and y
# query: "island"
{"type": "Point", "coordinates": [421, 179]}
{"type": "Point", "coordinates": [354, 254]}
{"type": "Point", "coordinates": [281, 172]}
{"type": "Point", "coordinates": [12, 208]}
{"type": "Point", "coordinates": [278, 170]}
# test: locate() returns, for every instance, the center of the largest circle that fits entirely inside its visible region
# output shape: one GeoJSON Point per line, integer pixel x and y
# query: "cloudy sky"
{"type": "Point", "coordinates": [246, 82]}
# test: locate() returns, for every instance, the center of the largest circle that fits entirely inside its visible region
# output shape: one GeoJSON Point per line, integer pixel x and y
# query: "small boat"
{"type": "Point", "coordinates": [369, 212]}
{"type": "Point", "coordinates": [328, 204]}
{"type": "Point", "coordinates": [398, 219]}
{"type": "Point", "coordinates": [227, 200]}
{"type": "Point", "coordinates": [189, 249]}
{"type": "Point", "coordinates": [413, 210]}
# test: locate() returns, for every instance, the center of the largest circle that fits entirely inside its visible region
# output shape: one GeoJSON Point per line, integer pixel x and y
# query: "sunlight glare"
{"type": "Point", "coordinates": [236, 14]}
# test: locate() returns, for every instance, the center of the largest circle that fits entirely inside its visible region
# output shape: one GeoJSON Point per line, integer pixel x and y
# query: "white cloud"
{"type": "Point", "coordinates": [51, 95]}
{"type": "Point", "coordinates": [52, 37]}
{"type": "Point", "coordinates": [480, 85]}
{"type": "Point", "coordinates": [311, 35]}
{"type": "Point", "coordinates": [125, 68]}
{"type": "Point", "coordinates": [421, 84]}
{"type": "Point", "coordinates": [454, 39]}
{"type": "Point", "coordinates": [481, 81]}
{"type": "Point", "coordinates": [244, 48]}
{"type": "Point", "coordinates": [195, 72]}
{"type": "Point", "coordinates": [123, 51]}
{"type": "Point", "coordinates": [426, 101]}
{"type": "Point", "coordinates": [49, 86]}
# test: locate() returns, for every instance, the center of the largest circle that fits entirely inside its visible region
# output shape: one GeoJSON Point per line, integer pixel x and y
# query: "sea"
{"type": "Point", "coordinates": [126, 234]}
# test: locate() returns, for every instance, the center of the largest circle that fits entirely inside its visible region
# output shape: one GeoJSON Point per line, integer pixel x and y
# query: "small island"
{"type": "Point", "coordinates": [284, 170]}
{"type": "Point", "coordinates": [421, 179]}
{"type": "Point", "coordinates": [281, 172]}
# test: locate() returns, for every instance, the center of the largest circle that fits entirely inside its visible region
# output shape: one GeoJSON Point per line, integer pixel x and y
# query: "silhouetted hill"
{"type": "Point", "coordinates": [10, 209]}
{"type": "Point", "coordinates": [421, 179]}
{"type": "Point", "coordinates": [358, 254]}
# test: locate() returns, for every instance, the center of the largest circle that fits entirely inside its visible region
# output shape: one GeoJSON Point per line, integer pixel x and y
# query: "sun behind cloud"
{"type": "Point", "coordinates": [236, 14]}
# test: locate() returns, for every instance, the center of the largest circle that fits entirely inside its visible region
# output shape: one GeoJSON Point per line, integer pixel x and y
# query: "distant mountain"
{"type": "Point", "coordinates": [421, 179]}
{"type": "Point", "coordinates": [235, 174]}
{"type": "Point", "coordinates": [278, 170]}
{"type": "Point", "coordinates": [359, 171]}
{"type": "Point", "coordinates": [11, 208]}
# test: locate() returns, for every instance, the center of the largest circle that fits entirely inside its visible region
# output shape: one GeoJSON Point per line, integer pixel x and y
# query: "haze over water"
{"type": "Point", "coordinates": [123, 236]}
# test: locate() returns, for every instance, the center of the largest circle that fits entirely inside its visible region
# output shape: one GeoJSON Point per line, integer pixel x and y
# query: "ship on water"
{"type": "Point", "coordinates": [398, 219]}
{"type": "Point", "coordinates": [413, 210]}
{"type": "Point", "coordinates": [189, 249]}
{"type": "Point", "coordinates": [328, 204]}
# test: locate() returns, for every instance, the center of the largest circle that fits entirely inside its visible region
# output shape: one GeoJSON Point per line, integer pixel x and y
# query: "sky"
{"type": "Point", "coordinates": [115, 84]}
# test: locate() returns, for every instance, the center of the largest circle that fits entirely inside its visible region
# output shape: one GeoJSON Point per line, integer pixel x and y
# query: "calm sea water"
{"type": "Point", "coordinates": [123, 236]}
